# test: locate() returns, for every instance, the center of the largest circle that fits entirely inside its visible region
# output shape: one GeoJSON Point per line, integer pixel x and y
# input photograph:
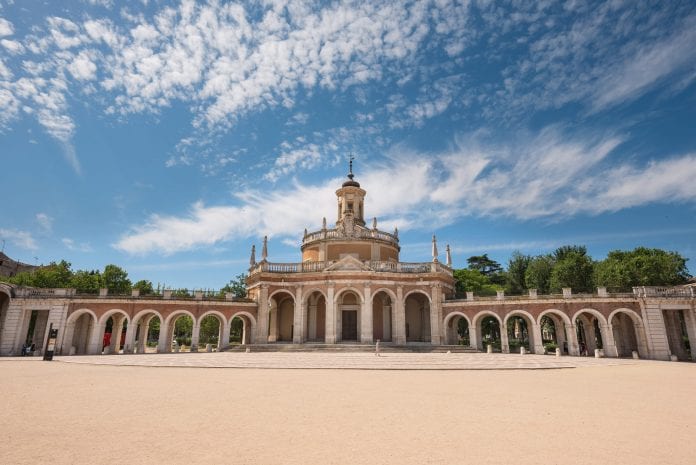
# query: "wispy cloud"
{"type": "Point", "coordinates": [71, 245]}
{"type": "Point", "coordinates": [45, 222]}
{"type": "Point", "coordinates": [537, 177]}
{"type": "Point", "coordinates": [22, 239]}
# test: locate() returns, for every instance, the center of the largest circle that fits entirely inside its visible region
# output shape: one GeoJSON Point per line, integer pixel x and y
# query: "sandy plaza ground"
{"type": "Point", "coordinates": [600, 412]}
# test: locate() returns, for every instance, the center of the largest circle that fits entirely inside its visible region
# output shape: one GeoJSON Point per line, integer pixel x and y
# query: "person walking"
{"type": "Point", "coordinates": [377, 349]}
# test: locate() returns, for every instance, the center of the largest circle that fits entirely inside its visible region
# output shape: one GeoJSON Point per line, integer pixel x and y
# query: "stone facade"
{"type": "Point", "coordinates": [352, 288]}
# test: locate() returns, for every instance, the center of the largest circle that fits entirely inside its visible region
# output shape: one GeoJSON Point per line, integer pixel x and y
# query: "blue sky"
{"type": "Point", "coordinates": [168, 137]}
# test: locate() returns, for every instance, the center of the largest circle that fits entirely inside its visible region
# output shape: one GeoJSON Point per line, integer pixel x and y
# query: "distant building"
{"type": "Point", "coordinates": [351, 288]}
{"type": "Point", "coordinates": [9, 267]}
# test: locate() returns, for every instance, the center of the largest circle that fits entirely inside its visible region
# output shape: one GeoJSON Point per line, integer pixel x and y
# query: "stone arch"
{"type": "Point", "coordinates": [315, 316]}
{"type": "Point", "coordinates": [344, 290]}
{"type": "Point", "coordinates": [494, 338]}
{"type": "Point", "coordinates": [281, 321]}
{"type": "Point", "coordinates": [418, 291]}
{"type": "Point", "coordinates": [451, 324]}
{"type": "Point", "coordinates": [383, 315]}
{"type": "Point", "coordinates": [167, 330]}
{"type": "Point", "coordinates": [552, 311]}
{"type": "Point", "coordinates": [142, 326]}
{"type": "Point", "coordinates": [386, 290]}
{"type": "Point", "coordinates": [521, 335]}
{"type": "Point", "coordinates": [417, 317]}
{"type": "Point", "coordinates": [315, 290]}
{"type": "Point", "coordinates": [79, 329]}
{"type": "Point", "coordinates": [628, 332]}
{"type": "Point", "coordinates": [348, 314]}
{"type": "Point", "coordinates": [596, 313]}
{"type": "Point", "coordinates": [586, 331]}
{"type": "Point", "coordinates": [5, 299]}
{"type": "Point", "coordinates": [484, 313]}
{"type": "Point", "coordinates": [219, 340]}
{"type": "Point", "coordinates": [249, 328]}
{"type": "Point", "coordinates": [113, 338]}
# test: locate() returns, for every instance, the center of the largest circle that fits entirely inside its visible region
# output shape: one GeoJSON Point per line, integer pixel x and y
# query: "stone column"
{"type": "Point", "coordinates": [690, 323]}
{"type": "Point", "coordinates": [536, 339]}
{"type": "Point", "coordinates": [164, 345]}
{"type": "Point", "coordinates": [473, 337]}
{"type": "Point", "coordinates": [608, 341]}
{"type": "Point", "coordinates": [572, 339]}
{"type": "Point", "coordinates": [590, 336]}
{"type": "Point", "coordinates": [116, 331]}
{"type": "Point", "coordinates": [144, 330]}
{"type": "Point", "coordinates": [195, 335]}
{"type": "Point", "coordinates": [436, 327]}
{"type": "Point", "coordinates": [399, 329]}
{"type": "Point", "coordinates": [129, 343]}
{"type": "Point", "coordinates": [366, 319]}
{"type": "Point", "coordinates": [312, 322]}
{"type": "Point", "coordinates": [224, 339]}
{"type": "Point", "coordinates": [330, 331]}
{"type": "Point", "coordinates": [95, 343]}
{"type": "Point", "coordinates": [298, 332]}
{"type": "Point", "coordinates": [262, 323]}
{"type": "Point", "coordinates": [386, 322]}
{"type": "Point", "coordinates": [504, 342]}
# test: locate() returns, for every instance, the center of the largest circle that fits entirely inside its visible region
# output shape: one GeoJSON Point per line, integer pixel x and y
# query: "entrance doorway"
{"type": "Point", "coordinates": [350, 325]}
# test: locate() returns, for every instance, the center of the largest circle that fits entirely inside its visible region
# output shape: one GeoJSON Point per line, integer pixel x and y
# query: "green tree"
{"type": "Point", "coordinates": [573, 269]}
{"type": "Point", "coordinates": [86, 282]}
{"type": "Point", "coordinates": [115, 279]}
{"type": "Point", "coordinates": [642, 266]}
{"type": "Point", "coordinates": [484, 265]}
{"type": "Point", "coordinates": [236, 286]}
{"type": "Point", "coordinates": [53, 275]}
{"type": "Point", "coordinates": [144, 286]}
{"type": "Point", "coordinates": [473, 281]}
{"type": "Point", "coordinates": [515, 277]}
{"type": "Point", "coordinates": [538, 273]}
{"type": "Point", "coordinates": [210, 327]}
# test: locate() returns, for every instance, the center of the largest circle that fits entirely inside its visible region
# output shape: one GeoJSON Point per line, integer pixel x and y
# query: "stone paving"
{"type": "Point", "coordinates": [355, 361]}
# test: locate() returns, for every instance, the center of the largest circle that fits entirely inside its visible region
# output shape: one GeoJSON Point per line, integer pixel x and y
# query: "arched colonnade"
{"type": "Point", "coordinates": [116, 331]}
{"type": "Point", "coordinates": [350, 315]}
{"type": "Point", "coordinates": [580, 333]}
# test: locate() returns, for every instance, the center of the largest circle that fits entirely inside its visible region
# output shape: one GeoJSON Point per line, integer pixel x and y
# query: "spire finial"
{"type": "Point", "coordinates": [264, 251]}
{"type": "Point", "coordinates": [434, 249]}
{"type": "Point", "coordinates": [449, 256]}
{"type": "Point", "coordinates": [350, 167]}
{"type": "Point", "coordinates": [252, 259]}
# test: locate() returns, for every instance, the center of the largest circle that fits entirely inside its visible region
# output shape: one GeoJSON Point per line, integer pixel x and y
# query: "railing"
{"type": "Point", "coordinates": [373, 265]}
{"type": "Point", "coordinates": [360, 234]}
{"type": "Point", "coordinates": [655, 291]}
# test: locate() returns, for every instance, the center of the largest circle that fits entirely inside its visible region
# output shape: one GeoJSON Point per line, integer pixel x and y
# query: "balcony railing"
{"type": "Point", "coordinates": [359, 234]}
{"type": "Point", "coordinates": [371, 265]}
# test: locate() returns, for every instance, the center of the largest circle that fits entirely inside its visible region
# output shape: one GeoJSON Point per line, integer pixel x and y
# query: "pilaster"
{"type": "Point", "coordinates": [399, 329]}
{"type": "Point", "coordinates": [366, 319]}
{"type": "Point", "coordinates": [299, 317]}
{"type": "Point", "coordinates": [330, 333]}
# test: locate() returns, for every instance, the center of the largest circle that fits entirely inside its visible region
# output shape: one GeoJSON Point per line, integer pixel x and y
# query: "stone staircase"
{"type": "Point", "coordinates": [349, 347]}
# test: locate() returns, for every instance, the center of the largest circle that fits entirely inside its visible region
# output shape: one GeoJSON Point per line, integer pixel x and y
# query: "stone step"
{"type": "Point", "coordinates": [418, 348]}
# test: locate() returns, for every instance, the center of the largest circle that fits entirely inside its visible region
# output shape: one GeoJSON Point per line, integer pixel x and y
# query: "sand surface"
{"type": "Point", "coordinates": [66, 413]}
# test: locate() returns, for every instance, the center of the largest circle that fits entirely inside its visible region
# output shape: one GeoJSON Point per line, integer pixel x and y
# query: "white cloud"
{"type": "Point", "coordinates": [82, 67]}
{"type": "Point", "coordinates": [538, 177]}
{"type": "Point", "coordinates": [651, 63]}
{"type": "Point", "coordinates": [12, 46]}
{"type": "Point", "coordinates": [75, 247]}
{"type": "Point", "coordinates": [306, 158]}
{"type": "Point", "coordinates": [6, 28]}
{"type": "Point", "coordinates": [45, 222]}
{"type": "Point", "coordinates": [22, 239]}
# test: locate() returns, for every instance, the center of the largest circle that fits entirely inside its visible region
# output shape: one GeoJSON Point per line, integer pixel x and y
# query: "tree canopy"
{"type": "Point", "coordinates": [570, 266]}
